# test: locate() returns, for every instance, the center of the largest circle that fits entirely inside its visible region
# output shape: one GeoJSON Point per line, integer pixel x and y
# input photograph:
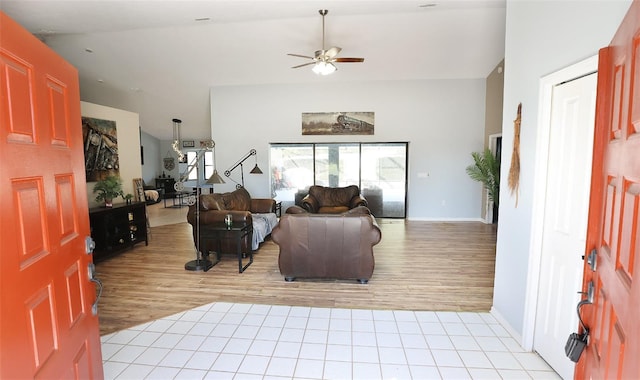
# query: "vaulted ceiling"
{"type": "Point", "coordinates": [159, 58]}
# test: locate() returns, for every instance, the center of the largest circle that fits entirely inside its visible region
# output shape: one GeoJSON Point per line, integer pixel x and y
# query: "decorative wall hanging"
{"type": "Point", "coordinates": [169, 163]}
{"type": "Point", "coordinates": [100, 148]}
{"type": "Point", "coordinates": [514, 170]}
{"type": "Point", "coordinates": [338, 123]}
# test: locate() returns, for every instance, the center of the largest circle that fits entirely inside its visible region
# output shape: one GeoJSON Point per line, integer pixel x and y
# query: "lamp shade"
{"type": "Point", "coordinates": [256, 170]}
{"type": "Point", "coordinates": [215, 178]}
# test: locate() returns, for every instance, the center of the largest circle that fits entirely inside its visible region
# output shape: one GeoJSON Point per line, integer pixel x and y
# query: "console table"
{"type": "Point", "coordinates": [117, 228]}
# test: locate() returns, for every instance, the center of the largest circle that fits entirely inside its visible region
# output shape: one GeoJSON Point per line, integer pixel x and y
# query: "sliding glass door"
{"type": "Point", "coordinates": [384, 178]}
{"type": "Point", "coordinates": [379, 169]}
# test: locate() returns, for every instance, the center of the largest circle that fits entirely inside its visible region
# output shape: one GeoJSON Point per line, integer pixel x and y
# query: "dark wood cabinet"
{"type": "Point", "coordinates": [166, 184]}
{"type": "Point", "coordinates": [117, 228]}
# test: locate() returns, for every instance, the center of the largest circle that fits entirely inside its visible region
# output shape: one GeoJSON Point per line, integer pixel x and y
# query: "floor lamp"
{"type": "Point", "coordinates": [255, 170]}
{"type": "Point", "coordinates": [202, 262]}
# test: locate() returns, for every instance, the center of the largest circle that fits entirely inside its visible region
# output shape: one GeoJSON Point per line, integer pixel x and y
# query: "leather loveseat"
{"type": "Point", "coordinates": [331, 246]}
{"type": "Point", "coordinates": [213, 209]}
{"type": "Point", "coordinates": [332, 200]}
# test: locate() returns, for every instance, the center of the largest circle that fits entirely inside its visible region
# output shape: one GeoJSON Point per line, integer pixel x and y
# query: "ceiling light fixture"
{"type": "Point", "coordinates": [324, 58]}
{"type": "Point", "coordinates": [324, 68]}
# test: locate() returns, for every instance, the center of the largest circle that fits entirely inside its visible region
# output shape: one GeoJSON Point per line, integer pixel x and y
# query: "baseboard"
{"type": "Point", "coordinates": [420, 219]}
{"type": "Point", "coordinates": [506, 325]}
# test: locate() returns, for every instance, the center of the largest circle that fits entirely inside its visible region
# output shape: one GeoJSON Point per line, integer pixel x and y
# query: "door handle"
{"type": "Point", "coordinates": [91, 272]}
{"type": "Point", "coordinates": [589, 293]}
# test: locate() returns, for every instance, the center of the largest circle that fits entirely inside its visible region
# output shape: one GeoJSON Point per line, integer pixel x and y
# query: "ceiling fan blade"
{"type": "Point", "coordinates": [332, 52]}
{"type": "Point", "coordinates": [304, 64]}
{"type": "Point", "coordinates": [343, 60]}
{"type": "Point", "coordinates": [300, 56]}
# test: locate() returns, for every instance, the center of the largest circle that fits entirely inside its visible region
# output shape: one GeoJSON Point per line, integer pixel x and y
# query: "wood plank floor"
{"type": "Point", "coordinates": [419, 266]}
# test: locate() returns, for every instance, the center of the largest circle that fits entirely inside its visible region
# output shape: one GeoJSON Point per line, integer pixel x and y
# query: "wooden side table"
{"type": "Point", "coordinates": [237, 231]}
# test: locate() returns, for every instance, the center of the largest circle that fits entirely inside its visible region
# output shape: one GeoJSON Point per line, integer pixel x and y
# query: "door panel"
{"type": "Point", "coordinates": [614, 220]}
{"type": "Point", "coordinates": [565, 218]}
{"type": "Point", "coordinates": [47, 329]}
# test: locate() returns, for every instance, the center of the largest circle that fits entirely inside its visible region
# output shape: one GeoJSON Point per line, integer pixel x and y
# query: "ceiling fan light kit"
{"type": "Point", "coordinates": [324, 68]}
{"type": "Point", "coordinates": [323, 60]}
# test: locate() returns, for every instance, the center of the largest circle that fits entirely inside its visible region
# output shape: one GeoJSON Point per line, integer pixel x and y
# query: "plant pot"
{"type": "Point", "coordinates": [108, 202]}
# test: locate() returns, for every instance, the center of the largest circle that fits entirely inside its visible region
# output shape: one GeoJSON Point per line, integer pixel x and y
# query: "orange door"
{"type": "Point", "coordinates": [613, 351]}
{"type": "Point", "coordinates": [47, 328]}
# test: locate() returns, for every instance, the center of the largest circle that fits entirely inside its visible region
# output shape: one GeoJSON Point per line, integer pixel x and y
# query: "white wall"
{"type": "Point", "coordinates": [127, 126]}
{"type": "Point", "coordinates": [152, 162]}
{"type": "Point", "coordinates": [541, 37]}
{"type": "Point", "coordinates": [443, 121]}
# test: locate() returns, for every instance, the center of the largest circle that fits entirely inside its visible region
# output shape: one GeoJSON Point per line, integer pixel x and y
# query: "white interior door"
{"type": "Point", "coordinates": [565, 219]}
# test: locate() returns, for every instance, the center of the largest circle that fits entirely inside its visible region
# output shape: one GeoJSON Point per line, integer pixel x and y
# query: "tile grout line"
{"type": "Point", "coordinates": [233, 314]}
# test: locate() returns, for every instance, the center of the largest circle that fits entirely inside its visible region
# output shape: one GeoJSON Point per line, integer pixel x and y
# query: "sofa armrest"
{"type": "Point", "coordinates": [263, 205]}
{"type": "Point", "coordinates": [310, 203]}
{"type": "Point", "coordinates": [360, 210]}
{"type": "Point", "coordinates": [358, 200]}
{"type": "Point", "coordinates": [295, 209]}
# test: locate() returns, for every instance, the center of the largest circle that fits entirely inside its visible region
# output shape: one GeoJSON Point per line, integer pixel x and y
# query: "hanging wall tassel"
{"type": "Point", "coordinates": [514, 170]}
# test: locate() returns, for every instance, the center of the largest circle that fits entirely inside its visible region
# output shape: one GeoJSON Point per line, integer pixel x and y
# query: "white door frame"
{"type": "Point", "coordinates": [547, 83]}
{"type": "Point", "coordinates": [488, 204]}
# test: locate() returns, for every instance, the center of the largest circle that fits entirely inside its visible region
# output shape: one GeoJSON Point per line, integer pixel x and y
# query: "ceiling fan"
{"type": "Point", "coordinates": [323, 60]}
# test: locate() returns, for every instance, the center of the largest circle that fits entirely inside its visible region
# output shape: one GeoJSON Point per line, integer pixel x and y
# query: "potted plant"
{"type": "Point", "coordinates": [486, 169]}
{"type": "Point", "coordinates": [107, 189]}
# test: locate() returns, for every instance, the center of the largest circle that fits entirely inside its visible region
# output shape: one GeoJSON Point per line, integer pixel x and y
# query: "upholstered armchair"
{"type": "Point", "coordinates": [333, 200]}
{"type": "Point", "coordinates": [327, 246]}
{"type": "Point", "coordinates": [213, 209]}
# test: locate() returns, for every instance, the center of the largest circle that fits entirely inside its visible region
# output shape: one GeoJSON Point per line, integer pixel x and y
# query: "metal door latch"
{"type": "Point", "coordinates": [591, 259]}
{"type": "Point", "coordinates": [89, 245]}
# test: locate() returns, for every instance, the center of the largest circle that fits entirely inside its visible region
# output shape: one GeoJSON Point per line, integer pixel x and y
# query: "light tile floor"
{"type": "Point", "coordinates": [248, 341]}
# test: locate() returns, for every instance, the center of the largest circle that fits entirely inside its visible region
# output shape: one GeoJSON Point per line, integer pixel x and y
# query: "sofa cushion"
{"type": "Point", "coordinates": [238, 200]}
{"type": "Point", "coordinates": [211, 202]}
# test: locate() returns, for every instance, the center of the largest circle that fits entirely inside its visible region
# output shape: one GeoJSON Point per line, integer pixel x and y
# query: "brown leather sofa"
{"type": "Point", "coordinates": [332, 200]}
{"type": "Point", "coordinates": [214, 208]}
{"type": "Point", "coordinates": [326, 246]}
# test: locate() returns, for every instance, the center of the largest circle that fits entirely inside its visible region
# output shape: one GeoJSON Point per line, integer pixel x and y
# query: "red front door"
{"type": "Point", "coordinates": [47, 328]}
{"type": "Point", "coordinates": [613, 351]}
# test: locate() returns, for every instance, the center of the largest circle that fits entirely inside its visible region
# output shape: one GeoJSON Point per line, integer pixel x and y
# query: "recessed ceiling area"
{"type": "Point", "coordinates": [160, 58]}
